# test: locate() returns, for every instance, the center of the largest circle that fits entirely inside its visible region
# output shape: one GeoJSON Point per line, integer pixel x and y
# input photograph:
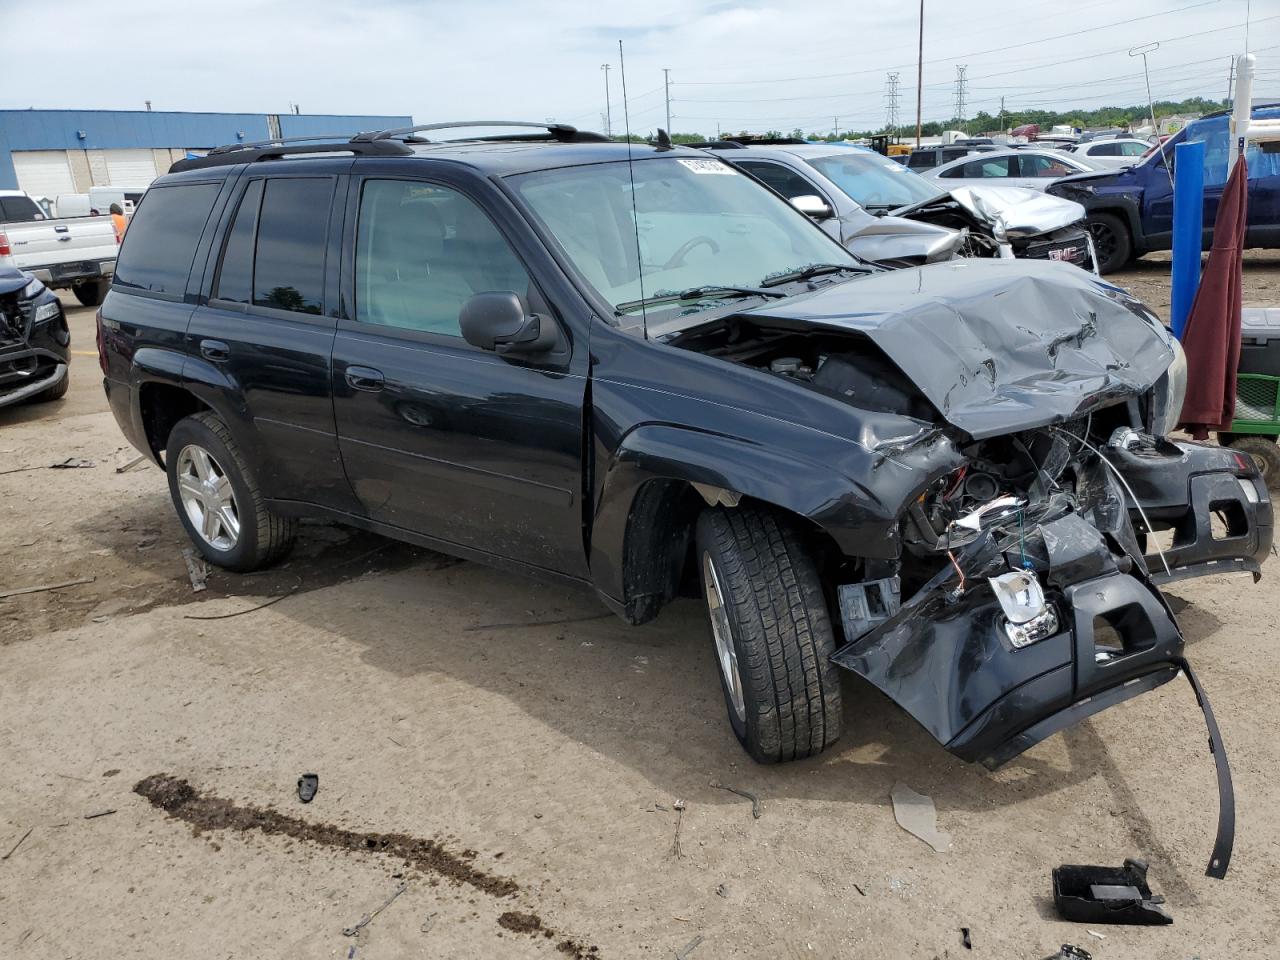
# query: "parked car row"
{"type": "Point", "coordinates": [887, 214]}
{"type": "Point", "coordinates": [634, 367]}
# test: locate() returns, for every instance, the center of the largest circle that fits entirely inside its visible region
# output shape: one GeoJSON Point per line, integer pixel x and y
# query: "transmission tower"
{"type": "Point", "coordinates": [961, 85]}
{"type": "Point", "coordinates": [891, 107]}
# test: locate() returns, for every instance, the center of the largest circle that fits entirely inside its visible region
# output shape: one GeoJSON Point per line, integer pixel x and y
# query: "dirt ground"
{"type": "Point", "coordinates": [504, 764]}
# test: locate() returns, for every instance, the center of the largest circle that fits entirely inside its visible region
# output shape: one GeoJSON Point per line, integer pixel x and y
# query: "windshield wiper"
{"type": "Point", "coordinates": [699, 293]}
{"type": "Point", "coordinates": [812, 270]}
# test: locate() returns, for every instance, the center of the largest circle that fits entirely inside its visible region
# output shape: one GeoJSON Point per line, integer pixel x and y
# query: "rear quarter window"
{"type": "Point", "coordinates": [162, 238]}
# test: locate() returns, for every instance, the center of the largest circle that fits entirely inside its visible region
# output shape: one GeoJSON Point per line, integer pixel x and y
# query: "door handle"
{"type": "Point", "coordinates": [365, 378]}
{"type": "Point", "coordinates": [215, 350]}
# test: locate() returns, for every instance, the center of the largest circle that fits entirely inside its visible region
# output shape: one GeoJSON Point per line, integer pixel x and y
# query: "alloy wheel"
{"type": "Point", "coordinates": [722, 632]}
{"type": "Point", "coordinates": [207, 498]}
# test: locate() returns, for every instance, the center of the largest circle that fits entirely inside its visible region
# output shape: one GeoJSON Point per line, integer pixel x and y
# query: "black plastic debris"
{"type": "Point", "coordinates": [965, 938]}
{"type": "Point", "coordinates": [1108, 895]}
{"type": "Point", "coordinates": [308, 784]}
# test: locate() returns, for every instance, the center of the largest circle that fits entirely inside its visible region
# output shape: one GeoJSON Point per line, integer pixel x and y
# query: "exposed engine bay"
{"type": "Point", "coordinates": [1024, 596]}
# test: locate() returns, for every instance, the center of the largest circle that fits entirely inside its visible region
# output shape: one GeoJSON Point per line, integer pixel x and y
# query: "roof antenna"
{"type": "Point", "coordinates": [631, 171]}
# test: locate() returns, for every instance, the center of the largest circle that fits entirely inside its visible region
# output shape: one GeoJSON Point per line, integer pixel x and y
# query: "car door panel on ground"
{"type": "Point", "coordinates": [263, 328]}
{"type": "Point", "coordinates": [437, 436]}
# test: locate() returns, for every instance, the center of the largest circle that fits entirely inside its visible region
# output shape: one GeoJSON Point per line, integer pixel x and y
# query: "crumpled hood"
{"type": "Point", "coordinates": [1015, 212]}
{"type": "Point", "coordinates": [12, 279]}
{"type": "Point", "coordinates": [997, 345]}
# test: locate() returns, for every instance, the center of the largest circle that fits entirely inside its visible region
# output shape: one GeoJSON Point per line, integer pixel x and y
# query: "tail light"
{"type": "Point", "coordinates": [102, 343]}
{"type": "Point", "coordinates": [5, 250]}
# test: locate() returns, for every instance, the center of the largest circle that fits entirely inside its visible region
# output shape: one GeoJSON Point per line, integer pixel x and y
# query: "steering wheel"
{"type": "Point", "coordinates": [677, 258]}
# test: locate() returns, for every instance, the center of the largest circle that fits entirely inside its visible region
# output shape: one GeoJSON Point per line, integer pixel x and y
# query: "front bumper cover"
{"type": "Point", "coordinates": [945, 657]}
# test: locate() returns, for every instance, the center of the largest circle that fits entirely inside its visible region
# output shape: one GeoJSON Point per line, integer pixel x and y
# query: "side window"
{"type": "Point", "coordinates": [288, 272]}
{"type": "Point", "coordinates": [787, 182]}
{"type": "Point", "coordinates": [920, 159]}
{"type": "Point", "coordinates": [19, 210]}
{"type": "Point", "coordinates": [235, 275]}
{"type": "Point", "coordinates": [982, 169]}
{"type": "Point", "coordinates": [1105, 150]}
{"type": "Point", "coordinates": [422, 251]}
{"type": "Point", "coordinates": [1038, 165]}
{"type": "Point", "coordinates": [1133, 149]}
{"type": "Point", "coordinates": [162, 238]}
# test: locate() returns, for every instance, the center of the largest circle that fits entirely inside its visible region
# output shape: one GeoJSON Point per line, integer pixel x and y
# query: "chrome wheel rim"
{"type": "Point", "coordinates": [722, 633]}
{"type": "Point", "coordinates": [207, 498]}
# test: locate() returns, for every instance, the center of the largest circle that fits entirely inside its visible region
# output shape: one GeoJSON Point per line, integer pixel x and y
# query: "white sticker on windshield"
{"type": "Point", "coordinates": [707, 166]}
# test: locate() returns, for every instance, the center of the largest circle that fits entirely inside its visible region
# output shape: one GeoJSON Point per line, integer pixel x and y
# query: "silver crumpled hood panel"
{"type": "Point", "coordinates": [997, 345]}
{"type": "Point", "coordinates": [1015, 212]}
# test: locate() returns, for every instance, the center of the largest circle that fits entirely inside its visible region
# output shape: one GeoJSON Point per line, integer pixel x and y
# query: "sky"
{"type": "Point", "coordinates": [734, 64]}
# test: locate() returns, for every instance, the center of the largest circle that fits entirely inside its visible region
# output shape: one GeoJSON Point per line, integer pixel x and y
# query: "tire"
{"type": "Point", "coordinates": [91, 294]}
{"type": "Point", "coordinates": [1112, 243]}
{"type": "Point", "coordinates": [249, 536]}
{"type": "Point", "coordinates": [57, 391]}
{"type": "Point", "coordinates": [779, 636]}
{"type": "Point", "coordinates": [1265, 454]}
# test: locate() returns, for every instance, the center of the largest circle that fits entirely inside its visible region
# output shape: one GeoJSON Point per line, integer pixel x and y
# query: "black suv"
{"type": "Point", "coordinates": [632, 367]}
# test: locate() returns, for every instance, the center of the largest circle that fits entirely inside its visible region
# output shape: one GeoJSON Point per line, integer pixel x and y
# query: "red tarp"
{"type": "Point", "coordinates": [1211, 337]}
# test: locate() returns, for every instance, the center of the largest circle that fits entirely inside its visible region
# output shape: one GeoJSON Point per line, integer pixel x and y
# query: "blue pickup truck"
{"type": "Point", "coordinates": [1131, 209]}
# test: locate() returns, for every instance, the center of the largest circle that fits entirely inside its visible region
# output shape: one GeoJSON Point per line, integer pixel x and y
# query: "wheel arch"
{"type": "Point", "coordinates": [662, 478]}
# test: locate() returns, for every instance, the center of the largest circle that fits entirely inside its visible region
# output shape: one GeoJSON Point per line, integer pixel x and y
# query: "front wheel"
{"type": "Point", "coordinates": [772, 633]}
{"type": "Point", "coordinates": [218, 500]}
{"type": "Point", "coordinates": [1112, 244]}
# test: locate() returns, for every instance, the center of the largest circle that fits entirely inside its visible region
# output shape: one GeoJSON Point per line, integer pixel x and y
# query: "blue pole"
{"type": "Point", "coordinates": [1188, 225]}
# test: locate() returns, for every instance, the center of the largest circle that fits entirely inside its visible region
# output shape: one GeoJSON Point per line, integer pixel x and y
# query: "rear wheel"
{"type": "Point", "coordinates": [1112, 243]}
{"type": "Point", "coordinates": [91, 293]}
{"type": "Point", "coordinates": [772, 633]}
{"type": "Point", "coordinates": [1265, 454]}
{"type": "Point", "coordinates": [218, 500]}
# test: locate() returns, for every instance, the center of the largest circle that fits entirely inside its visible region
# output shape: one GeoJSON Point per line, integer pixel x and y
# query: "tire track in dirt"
{"type": "Point", "coordinates": [205, 812]}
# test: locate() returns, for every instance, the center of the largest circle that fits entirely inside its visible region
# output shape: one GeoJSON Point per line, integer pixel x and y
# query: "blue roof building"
{"type": "Point", "coordinates": [51, 152]}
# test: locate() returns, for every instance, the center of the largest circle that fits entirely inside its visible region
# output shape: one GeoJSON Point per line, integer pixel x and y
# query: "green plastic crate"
{"type": "Point", "coordinates": [1257, 404]}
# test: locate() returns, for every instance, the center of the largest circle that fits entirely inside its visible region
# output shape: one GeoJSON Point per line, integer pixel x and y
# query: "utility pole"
{"type": "Point", "coordinates": [920, 74]}
{"type": "Point", "coordinates": [891, 111]}
{"type": "Point", "coordinates": [961, 83]}
{"type": "Point", "coordinates": [835, 128]}
{"type": "Point", "coordinates": [1001, 115]}
{"type": "Point", "coordinates": [608, 109]}
{"type": "Point", "coordinates": [1231, 80]}
{"type": "Point", "coordinates": [666, 83]}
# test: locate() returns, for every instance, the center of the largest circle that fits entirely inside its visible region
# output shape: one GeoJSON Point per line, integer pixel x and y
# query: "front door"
{"type": "Point", "coordinates": [437, 436]}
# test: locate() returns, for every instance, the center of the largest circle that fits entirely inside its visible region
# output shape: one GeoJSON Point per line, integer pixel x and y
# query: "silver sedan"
{"type": "Point", "coordinates": [1032, 169]}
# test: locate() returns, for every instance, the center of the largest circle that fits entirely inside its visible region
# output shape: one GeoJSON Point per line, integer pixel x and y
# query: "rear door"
{"type": "Point", "coordinates": [1035, 171]}
{"type": "Point", "coordinates": [439, 437]}
{"type": "Point", "coordinates": [261, 338]}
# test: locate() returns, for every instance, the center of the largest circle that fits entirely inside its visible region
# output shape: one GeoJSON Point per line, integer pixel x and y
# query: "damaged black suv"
{"type": "Point", "coordinates": [632, 367]}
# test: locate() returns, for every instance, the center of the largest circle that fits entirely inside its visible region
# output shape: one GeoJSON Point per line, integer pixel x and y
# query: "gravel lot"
{"type": "Point", "coordinates": [525, 754]}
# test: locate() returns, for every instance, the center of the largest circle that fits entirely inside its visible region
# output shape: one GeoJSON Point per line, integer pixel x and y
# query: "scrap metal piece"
{"type": "Point", "coordinates": [1087, 894]}
{"type": "Point", "coordinates": [197, 570]}
{"type": "Point", "coordinates": [867, 604]}
{"type": "Point", "coordinates": [364, 921]}
{"type": "Point", "coordinates": [746, 794]}
{"type": "Point", "coordinates": [917, 815]}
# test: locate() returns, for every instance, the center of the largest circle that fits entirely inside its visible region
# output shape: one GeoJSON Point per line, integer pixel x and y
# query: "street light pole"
{"type": "Point", "coordinates": [608, 110]}
{"type": "Point", "coordinates": [666, 84]}
{"type": "Point", "coordinates": [920, 75]}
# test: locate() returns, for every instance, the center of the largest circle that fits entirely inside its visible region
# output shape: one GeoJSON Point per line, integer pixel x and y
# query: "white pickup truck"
{"type": "Point", "coordinates": [77, 252]}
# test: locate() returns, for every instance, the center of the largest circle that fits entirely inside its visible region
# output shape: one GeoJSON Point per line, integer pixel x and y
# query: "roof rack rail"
{"type": "Point", "coordinates": [555, 131]}
{"type": "Point", "coordinates": [270, 142]}
{"type": "Point", "coordinates": [276, 149]}
{"type": "Point", "coordinates": [718, 145]}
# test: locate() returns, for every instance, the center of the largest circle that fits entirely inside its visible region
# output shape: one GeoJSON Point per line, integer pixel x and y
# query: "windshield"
{"type": "Point", "coordinates": [874, 181]}
{"type": "Point", "coordinates": [699, 224]}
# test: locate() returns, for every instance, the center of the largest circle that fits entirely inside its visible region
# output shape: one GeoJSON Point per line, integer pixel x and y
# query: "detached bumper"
{"type": "Point", "coordinates": [1212, 498]}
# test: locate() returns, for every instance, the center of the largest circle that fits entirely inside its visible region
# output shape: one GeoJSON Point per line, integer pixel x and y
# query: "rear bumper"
{"type": "Point", "coordinates": [61, 275]}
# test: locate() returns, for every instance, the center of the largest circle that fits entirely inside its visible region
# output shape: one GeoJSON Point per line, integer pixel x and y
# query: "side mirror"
{"type": "Point", "coordinates": [497, 321]}
{"type": "Point", "coordinates": [812, 205]}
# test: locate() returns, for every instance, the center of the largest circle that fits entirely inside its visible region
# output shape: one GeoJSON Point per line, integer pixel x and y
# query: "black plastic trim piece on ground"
{"type": "Point", "coordinates": [1226, 837]}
